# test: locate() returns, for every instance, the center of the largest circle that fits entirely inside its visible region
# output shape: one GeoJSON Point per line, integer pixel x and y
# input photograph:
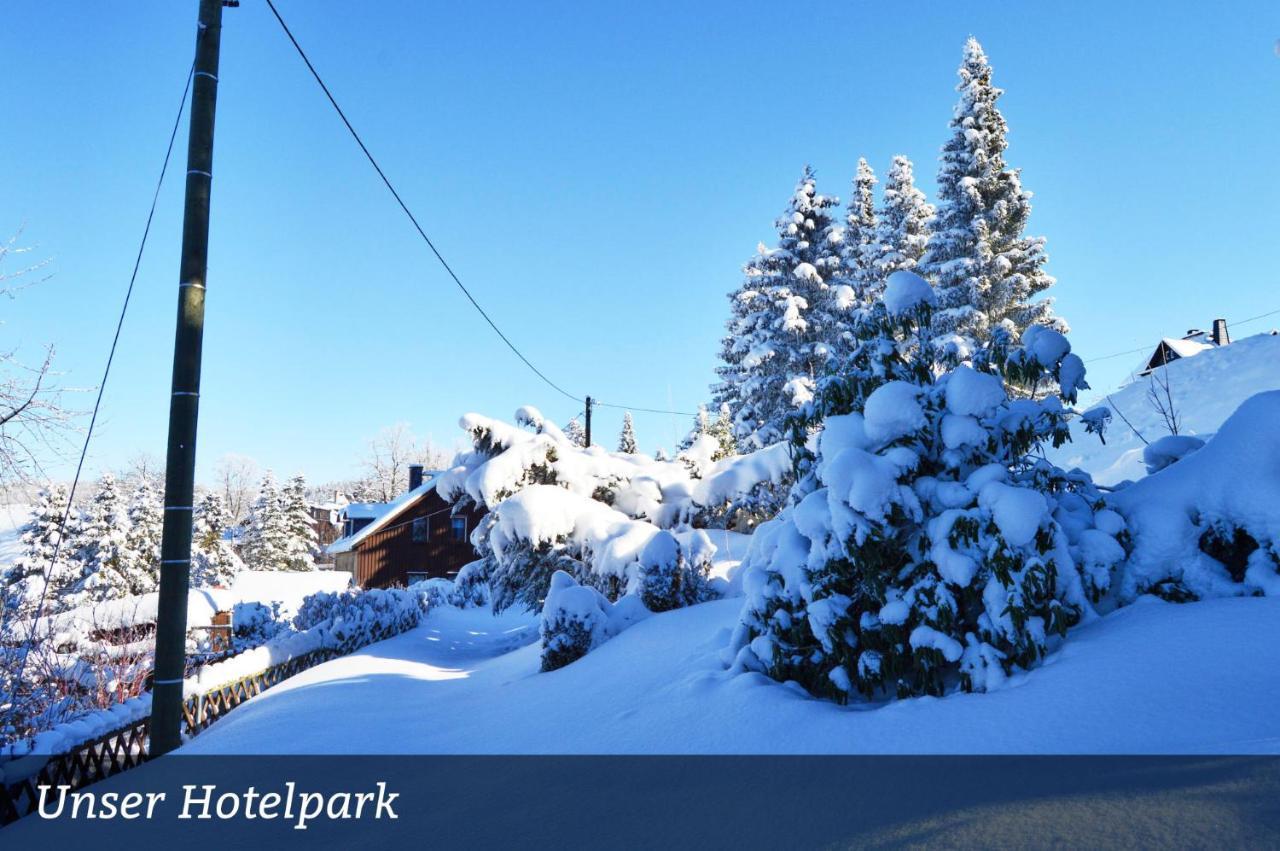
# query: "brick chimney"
{"type": "Point", "coordinates": [415, 476]}
{"type": "Point", "coordinates": [1221, 336]}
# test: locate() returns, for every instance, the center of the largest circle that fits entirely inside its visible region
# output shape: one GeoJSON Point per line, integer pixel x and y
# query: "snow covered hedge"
{"type": "Point", "coordinates": [927, 546]}
{"type": "Point", "coordinates": [342, 621]}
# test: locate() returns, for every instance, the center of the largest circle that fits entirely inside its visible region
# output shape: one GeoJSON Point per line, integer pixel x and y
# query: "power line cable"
{"type": "Point", "coordinates": [1254, 318]}
{"type": "Point", "coordinates": [403, 206]}
{"type": "Point", "coordinates": [422, 233]}
{"type": "Point", "coordinates": [102, 386]}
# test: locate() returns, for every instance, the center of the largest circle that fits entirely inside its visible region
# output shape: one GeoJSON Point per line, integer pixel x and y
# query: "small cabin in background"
{"type": "Point", "coordinates": [414, 537]}
{"type": "Point", "coordinates": [326, 519]}
{"type": "Point", "coordinates": [1191, 344]}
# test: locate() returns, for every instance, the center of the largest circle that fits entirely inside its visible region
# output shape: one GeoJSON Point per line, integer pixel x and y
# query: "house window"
{"type": "Point", "coordinates": [458, 528]}
{"type": "Point", "coordinates": [420, 531]}
{"type": "Point", "coordinates": [413, 577]}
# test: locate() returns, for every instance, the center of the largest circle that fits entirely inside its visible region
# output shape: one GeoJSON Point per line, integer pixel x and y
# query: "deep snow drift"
{"type": "Point", "coordinates": [1206, 389]}
{"type": "Point", "coordinates": [1151, 678]}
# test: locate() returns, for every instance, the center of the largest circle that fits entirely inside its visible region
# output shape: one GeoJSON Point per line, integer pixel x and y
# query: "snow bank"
{"type": "Point", "coordinates": [1153, 678]}
{"type": "Point", "coordinates": [1209, 525]}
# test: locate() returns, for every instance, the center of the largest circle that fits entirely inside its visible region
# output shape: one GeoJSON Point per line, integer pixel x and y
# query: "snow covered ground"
{"type": "Point", "coordinates": [1151, 678]}
{"type": "Point", "coordinates": [12, 519]}
{"type": "Point", "coordinates": [1206, 389]}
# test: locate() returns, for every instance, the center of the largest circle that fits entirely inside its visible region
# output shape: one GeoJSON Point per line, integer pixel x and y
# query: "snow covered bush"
{"type": "Point", "coordinates": [577, 618]}
{"type": "Point", "coordinates": [927, 546]}
{"type": "Point", "coordinates": [1163, 451]}
{"type": "Point", "coordinates": [623, 524]}
{"type": "Point", "coordinates": [470, 586]}
{"type": "Point", "coordinates": [574, 620]}
{"type": "Point", "coordinates": [255, 623]}
{"type": "Point", "coordinates": [671, 575]}
{"type": "Point", "coordinates": [433, 593]}
{"type": "Point", "coordinates": [462, 592]}
{"type": "Point", "coordinates": [554, 505]}
{"type": "Point", "coordinates": [1209, 525]}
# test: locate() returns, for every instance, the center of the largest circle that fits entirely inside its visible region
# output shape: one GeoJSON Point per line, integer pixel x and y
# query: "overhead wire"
{"type": "Point", "coordinates": [422, 232]}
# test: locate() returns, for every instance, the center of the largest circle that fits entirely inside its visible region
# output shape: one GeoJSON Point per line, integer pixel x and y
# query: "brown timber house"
{"type": "Point", "coordinates": [416, 536]}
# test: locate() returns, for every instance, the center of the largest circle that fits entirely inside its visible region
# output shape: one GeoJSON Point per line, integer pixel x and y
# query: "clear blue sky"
{"type": "Point", "coordinates": [597, 176]}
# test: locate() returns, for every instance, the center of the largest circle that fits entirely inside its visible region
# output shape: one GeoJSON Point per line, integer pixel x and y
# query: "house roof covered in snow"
{"type": "Point", "coordinates": [365, 510]}
{"type": "Point", "coordinates": [1186, 348]}
{"type": "Point", "coordinates": [390, 510]}
{"type": "Point", "coordinates": [1173, 348]}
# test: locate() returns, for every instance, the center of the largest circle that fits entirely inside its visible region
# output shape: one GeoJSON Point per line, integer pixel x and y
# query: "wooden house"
{"type": "Point", "coordinates": [417, 536]}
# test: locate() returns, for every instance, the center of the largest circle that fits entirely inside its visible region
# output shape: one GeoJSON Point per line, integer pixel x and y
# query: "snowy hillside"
{"type": "Point", "coordinates": [466, 682]}
{"type": "Point", "coordinates": [1206, 389]}
{"type": "Point", "coordinates": [12, 518]}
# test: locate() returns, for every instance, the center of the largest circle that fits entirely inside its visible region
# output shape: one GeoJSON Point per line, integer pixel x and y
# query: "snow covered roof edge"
{"type": "Point", "coordinates": [394, 509]}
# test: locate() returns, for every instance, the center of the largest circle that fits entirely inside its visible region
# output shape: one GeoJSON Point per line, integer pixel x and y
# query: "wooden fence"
{"type": "Point", "coordinates": [126, 747]}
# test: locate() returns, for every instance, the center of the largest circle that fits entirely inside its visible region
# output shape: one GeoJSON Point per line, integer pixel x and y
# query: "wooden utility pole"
{"type": "Point", "coordinates": [590, 402]}
{"type": "Point", "coordinates": [184, 403]}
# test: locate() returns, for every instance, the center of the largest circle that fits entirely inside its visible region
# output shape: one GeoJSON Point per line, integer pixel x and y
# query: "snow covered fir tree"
{"type": "Point", "coordinates": [42, 577]}
{"type": "Point", "coordinates": [858, 248]}
{"type": "Point", "coordinates": [279, 534]}
{"type": "Point", "coordinates": [988, 272]}
{"type": "Point", "coordinates": [904, 223]}
{"type": "Point", "coordinates": [929, 547]}
{"type": "Point", "coordinates": [102, 544]}
{"type": "Point", "coordinates": [784, 319]}
{"type": "Point", "coordinates": [627, 439]}
{"type": "Point", "coordinates": [140, 563]}
{"type": "Point", "coordinates": [213, 561]}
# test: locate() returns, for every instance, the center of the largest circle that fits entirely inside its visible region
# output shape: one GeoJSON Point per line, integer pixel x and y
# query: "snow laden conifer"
{"type": "Point", "coordinates": [722, 431]}
{"type": "Point", "coordinates": [858, 245]}
{"type": "Point", "coordinates": [904, 223]}
{"type": "Point", "coordinates": [575, 433]}
{"type": "Point", "coordinates": [213, 563]}
{"type": "Point", "coordinates": [627, 439]}
{"type": "Point", "coordinates": [37, 574]}
{"type": "Point", "coordinates": [140, 560]}
{"type": "Point", "coordinates": [265, 545]}
{"type": "Point", "coordinates": [931, 547]}
{"type": "Point", "coordinates": [300, 531]}
{"type": "Point", "coordinates": [102, 543]}
{"type": "Point", "coordinates": [987, 271]}
{"type": "Point", "coordinates": [784, 319]}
